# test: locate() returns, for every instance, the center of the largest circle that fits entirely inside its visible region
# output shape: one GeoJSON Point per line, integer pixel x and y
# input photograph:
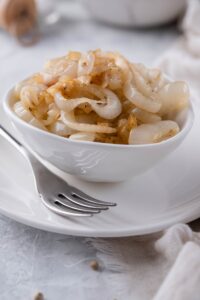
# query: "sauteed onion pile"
{"type": "Point", "coordinates": [101, 97]}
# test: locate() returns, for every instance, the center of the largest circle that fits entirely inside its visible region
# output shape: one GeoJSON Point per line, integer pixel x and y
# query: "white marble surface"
{"type": "Point", "coordinates": [30, 259]}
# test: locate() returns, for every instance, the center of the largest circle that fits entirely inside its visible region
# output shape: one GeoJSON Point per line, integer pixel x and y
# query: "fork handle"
{"type": "Point", "coordinates": [9, 137]}
{"type": "Point", "coordinates": [35, 163]}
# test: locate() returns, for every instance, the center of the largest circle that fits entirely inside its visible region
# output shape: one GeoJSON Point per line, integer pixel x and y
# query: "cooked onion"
{"type": "Point", "coordinates": [101, 96]}
{"type": "Point", "coordinates": [61, 129]}
{"type": "Point", "coordinates": [52, 115]}
{"type": "Point", "coordinates": [69, 120]}
{"type": "Point", "coordinates": [145, 117]}
{"type": "Point", "coordinates": [153, 133]}
{"type": "Point", "coordinates": [83, 136]}
{"type": "Point", "coordinates": [108, 109]}
{"type": "Point", "coordinates": [123, 64]}
{"type": "Point", "coordinates": [60, 68]}
{"type": "Point", "coordinates": [173, 96]}
{"type": "Point", "coordinates": [26, 115]}
{"type": "Point", "coordinates": [145, 103]}
{"type": "Point", "coordinates": [86, 64]}
{"type": "Point", "coordinates": [29, 94]}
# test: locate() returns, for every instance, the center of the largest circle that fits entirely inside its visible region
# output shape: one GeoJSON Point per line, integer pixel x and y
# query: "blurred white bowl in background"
{"type": "Point", "coordinates": [135, 12]}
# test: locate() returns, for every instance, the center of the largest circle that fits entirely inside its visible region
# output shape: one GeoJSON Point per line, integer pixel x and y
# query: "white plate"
{"type": "Point", "coordinates": [167, 194]}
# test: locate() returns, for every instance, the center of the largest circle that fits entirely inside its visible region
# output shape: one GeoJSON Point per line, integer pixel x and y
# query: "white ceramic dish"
{"type": "Point", "coordinates": [135, 12]}
{"type": "Point", "coordinates": [97, 161]}
{"type": "Point", "coordinates": [167, 194]}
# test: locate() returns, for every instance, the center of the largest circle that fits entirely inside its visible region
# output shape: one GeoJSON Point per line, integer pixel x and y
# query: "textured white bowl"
{"type": "Point", "coordinates": [135, 12]}
{"type": "Point", "coordinates": [97, 161]}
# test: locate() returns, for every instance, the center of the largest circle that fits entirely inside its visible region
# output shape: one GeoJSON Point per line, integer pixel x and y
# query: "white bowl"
{"type": "Point", "coordinates": [135, 12]}
{"type": "Point", "coordinates": [97, 161]}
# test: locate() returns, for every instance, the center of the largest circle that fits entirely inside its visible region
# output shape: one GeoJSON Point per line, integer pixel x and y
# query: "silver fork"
{"type": "Point", "coordinates": [55, 193]}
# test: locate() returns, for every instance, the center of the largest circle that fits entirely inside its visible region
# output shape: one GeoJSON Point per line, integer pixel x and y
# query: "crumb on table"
{"type": "Point", "coordinates": [94, 265]}
{"type": "Point", "coordinates": [39, 296]}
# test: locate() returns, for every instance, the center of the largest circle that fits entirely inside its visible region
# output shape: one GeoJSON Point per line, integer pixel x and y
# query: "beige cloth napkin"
{"type": "Point", "coordinates": [164, 267]}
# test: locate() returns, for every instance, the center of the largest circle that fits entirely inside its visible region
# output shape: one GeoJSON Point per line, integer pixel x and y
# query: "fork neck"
{"type": "Point", "coordinates": [35, 163]}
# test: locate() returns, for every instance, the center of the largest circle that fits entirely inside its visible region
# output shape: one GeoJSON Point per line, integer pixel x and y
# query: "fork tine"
{"type": "Point", "coordinates": [75, 207]}
{"type": "Point", "coordinates": [83, 203]}
{"type": "Point", "coordinates": [63, 211]}
{"type": "Point", "coordinates": [87, 198]}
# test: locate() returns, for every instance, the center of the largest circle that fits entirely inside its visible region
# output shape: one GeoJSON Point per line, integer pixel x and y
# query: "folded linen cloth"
{"type": "Point", "coordinates": [165, 266]}
{"type": "Point", "coordinates": [182, 282]}
{"type": "Point", "coordinates": [144, 268]}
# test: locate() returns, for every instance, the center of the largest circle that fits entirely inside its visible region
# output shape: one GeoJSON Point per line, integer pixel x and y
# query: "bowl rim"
{"type": "Point", "coordinates": [181, 134]}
